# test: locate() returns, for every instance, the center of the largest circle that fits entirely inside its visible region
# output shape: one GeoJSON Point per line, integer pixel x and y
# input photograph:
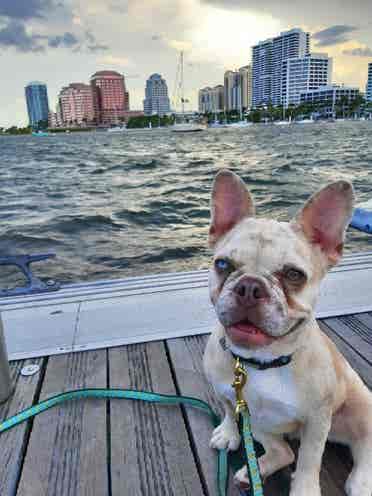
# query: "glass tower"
{"type": "Point", "coordinates": [37, 102]}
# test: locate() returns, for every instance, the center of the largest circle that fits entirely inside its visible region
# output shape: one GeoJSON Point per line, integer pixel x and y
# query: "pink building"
{"type": "Point", "coordinates": [76, 104]}
{"type": "Point", "coordinates": [111, 100]}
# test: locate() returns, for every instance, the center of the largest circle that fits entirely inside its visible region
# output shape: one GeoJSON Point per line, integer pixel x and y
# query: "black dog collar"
{"type": "Point", "coordinates": [257, 364]}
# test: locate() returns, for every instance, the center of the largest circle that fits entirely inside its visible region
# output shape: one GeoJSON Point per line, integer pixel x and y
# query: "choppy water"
{"type": "Point", "coordinates": [115, 205]}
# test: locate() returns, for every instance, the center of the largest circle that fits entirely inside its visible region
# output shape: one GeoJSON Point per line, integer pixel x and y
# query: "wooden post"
{"type": "Point", "coordinates": [5, 381]}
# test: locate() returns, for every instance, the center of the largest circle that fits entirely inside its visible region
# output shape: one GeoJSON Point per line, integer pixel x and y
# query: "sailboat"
{"type": "Point", "coordinates": [184, 126]}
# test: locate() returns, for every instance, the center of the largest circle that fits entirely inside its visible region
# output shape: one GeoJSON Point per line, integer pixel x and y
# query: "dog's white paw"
{"type": "Point", "coordinates": [241, 479]}
{"type": "Point", "coordinates": [356, 485]}
{"type": "Point", "coordinates": [225, 436]}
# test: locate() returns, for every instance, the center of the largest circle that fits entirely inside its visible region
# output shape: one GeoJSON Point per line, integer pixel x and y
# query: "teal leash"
{"type": "Point", "coordinates": [242, 412]}
{"type": "Point", "coordinates": [251, 457]}
{"type": "Point", "coordinates": [129, 394]}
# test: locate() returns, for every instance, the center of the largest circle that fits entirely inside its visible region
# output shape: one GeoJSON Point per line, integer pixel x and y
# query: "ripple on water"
{"type": "Point", "coordinates": [113, 206]}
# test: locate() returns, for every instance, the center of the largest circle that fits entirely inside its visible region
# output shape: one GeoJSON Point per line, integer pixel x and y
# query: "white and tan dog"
{"type": "Point", "coordinates": [264, 284]}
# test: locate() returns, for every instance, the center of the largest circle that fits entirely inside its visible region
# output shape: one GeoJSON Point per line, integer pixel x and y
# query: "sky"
{"type": "Point", "coordinates": [64, 41]}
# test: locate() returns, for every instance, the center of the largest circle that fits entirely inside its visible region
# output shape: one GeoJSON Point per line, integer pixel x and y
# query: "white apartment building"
{"type": "Point", "coordinates": [329, 96]}
{"type": "Point", "coordinates": [262, 72]}
{"type": "Point", "coordinates": [267, 64]}
{"type": "Point", "coordinates": [369, 84]}
{"type": "Point", "coordinates": [211, 100]}
{"type": "Point", "coordinates": [232, 93]}
{"type": "Point", "coordinates": [304, 74]}
{"type": "Point", "coordinates": [246, 86]}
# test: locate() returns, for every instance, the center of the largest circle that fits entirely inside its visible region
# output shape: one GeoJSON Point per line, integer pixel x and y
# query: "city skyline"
{"type": "Point", "coordinates": [59, 44]}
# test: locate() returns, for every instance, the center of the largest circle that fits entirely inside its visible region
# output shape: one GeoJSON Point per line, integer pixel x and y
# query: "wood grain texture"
{"type": "Point", "coordinates": [13, 442]}
{"type": "Point", "coordinates": [358, 362]}
{"type": "Point", "coordinates": [355, 333]}
{"type": "Point", "coordinates": [67, 452]}
{"type": "Point", "coordinates": [150, 449]}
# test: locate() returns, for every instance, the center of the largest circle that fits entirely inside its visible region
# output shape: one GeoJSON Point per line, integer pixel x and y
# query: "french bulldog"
{"type": "Point", "coordinates": [264, 284]}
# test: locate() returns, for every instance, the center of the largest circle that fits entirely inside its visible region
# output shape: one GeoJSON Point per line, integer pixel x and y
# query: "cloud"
{"type": "Point", "coordinates": [98, 48]}
{"type": "Point", "coordinates": [334, 35]}
{"type": "Point", "coordinates": [302, 11]}
{"type": "Point", "coordinates": [179, 45]}
{"type": "Point", "coordinates": [14, 35]}
{"type": "Point", "coordinates": [93, 44]}
{"type": "Point", "coordinates": [118, 6]}
{"type": "Point", "coordinates": [25, 9]}
{"type": "Point", "coordinates": [115, 61]}
{"type": "Point", "coordinates": [359, 52]}
{"type": "Point", "coordinates": [67, 40]}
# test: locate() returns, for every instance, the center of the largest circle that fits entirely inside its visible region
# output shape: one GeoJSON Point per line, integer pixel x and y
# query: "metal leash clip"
{"type": "Point", "coordinates": [240, 379]}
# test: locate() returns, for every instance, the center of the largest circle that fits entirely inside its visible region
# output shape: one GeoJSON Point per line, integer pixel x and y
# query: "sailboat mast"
{"type": "Point", "coordinates": [182, 86]}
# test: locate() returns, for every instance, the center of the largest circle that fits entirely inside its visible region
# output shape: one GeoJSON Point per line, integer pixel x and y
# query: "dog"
{"type": "Point", "coordinates": [264, 284]}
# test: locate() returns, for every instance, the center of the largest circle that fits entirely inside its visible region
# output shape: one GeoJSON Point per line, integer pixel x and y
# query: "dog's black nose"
{"type": "Point", "coordinates": [250, 290]}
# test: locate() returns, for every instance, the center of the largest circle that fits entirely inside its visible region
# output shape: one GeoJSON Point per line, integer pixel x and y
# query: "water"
{"type": "Point", "coordinates": [116, 205]}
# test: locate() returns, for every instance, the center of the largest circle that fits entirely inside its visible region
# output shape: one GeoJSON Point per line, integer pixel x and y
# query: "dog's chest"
{"type": "Point", "coordinates": [272, 397]}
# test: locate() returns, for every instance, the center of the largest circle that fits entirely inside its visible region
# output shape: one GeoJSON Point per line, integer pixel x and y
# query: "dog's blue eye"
{"type": "Point", "coordinates": [222, 264]}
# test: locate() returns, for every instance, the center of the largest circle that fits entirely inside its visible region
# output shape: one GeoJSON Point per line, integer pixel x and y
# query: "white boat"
{"type": "Point", "coordinates": [305, 121]}
{"type": "Point", "coordinates": [187, 127]}
{"type": "Point", "coordinates": [183, 126]}
{"type": "Point", "coordinates": [239, 124]}
{"type": "Point", "coordinates": [116, 129]}
{"type": "Point", "coordinates": [282, 123]}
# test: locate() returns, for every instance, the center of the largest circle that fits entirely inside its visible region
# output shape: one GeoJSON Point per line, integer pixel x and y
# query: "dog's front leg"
{"type": "Point", "coordinates": [226, 435]}
{"type": "Point", "coordinates": [313, 439]}
{"type": "Point", "coordinates": [278, 454]}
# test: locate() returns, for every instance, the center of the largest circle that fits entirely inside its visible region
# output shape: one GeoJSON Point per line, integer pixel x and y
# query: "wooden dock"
{"type": "Point", "coordinates": [145, 333]}
{"type": "Point", "coordinates": [119, 448]}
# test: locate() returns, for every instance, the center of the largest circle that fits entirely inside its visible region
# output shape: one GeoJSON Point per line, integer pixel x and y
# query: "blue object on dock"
{"type": "Point", "coordinates": [362, 220]}
{"type": "Point", "coordinates": [35, 285]}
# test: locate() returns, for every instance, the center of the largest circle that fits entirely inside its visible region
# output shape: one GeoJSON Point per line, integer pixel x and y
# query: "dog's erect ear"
{"type": "Point", "coordinates": [325, 217]}
{"type": "Point", "coordinates": [231, 202]}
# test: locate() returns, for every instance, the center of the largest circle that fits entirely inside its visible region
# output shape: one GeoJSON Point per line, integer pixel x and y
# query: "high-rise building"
{"type": "Point", "coordinates": [110, 98]}
{"type": "Point", "coordinates": [211, 100]}
{"type": "Point", "coordinates": [76, 104]}
{"type": "Point", "coordinates": [267, 64]}
{"type": "Point", "coordinates": [289, 44]}
{"type": "Point", "coordinates": [232, 91]}
{"type": "Point", "coordinates": [246, 86]}
{"type": "Point", "coordinates": [156, 96]}
{"type": "Point", "coordinates": [262, 72]}
{"type": "Point", "coordinates": [37, 102]}
{"type": "Point", "coordinates": [369, 83]}
{"type": "Point", "coordinates": [304, 74]}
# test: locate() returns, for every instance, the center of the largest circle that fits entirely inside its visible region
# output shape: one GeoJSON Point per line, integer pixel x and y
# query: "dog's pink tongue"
{"type": "Point", "coordinates": [246, 333]}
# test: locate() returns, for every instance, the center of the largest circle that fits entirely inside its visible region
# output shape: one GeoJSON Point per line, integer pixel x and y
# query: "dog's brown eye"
{"type": "Point", "coordinates": [294, 275]}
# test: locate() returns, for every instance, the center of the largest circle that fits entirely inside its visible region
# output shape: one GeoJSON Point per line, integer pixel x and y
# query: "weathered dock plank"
{"type": "Point", "coordinates": [150, 449]}
{"type": "Point", "coordinates": [14, 442]}
{"type": "Point", "coordinates": [356, 360]}
{"type": "Point", "coordinates": [354, 331]}
{"type": "Point", "coordinates": [67, 451]}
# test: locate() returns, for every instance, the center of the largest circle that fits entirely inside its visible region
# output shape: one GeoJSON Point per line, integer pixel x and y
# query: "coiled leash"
{"type": "Point", "coordinates": [129, 394]}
